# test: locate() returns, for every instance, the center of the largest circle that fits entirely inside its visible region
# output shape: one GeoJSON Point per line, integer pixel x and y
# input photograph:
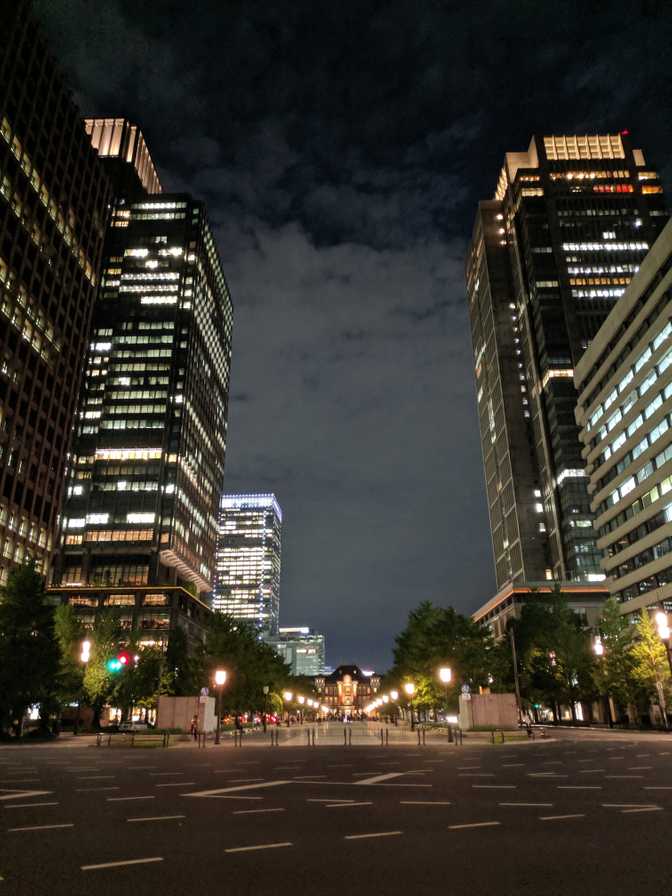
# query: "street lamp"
{"type": "Point", "coordinates": [265, 689]}
{"type": "Point", "coordinates": [598, 650]}
{"type": "Point", "coordinates": [220, 679]}
{"type": "Point", "coordinates": [445, 676]}
{"type": "Point", "coordinates": [394, 695]}
{"type": "Point", "coordinates": [664, 633]}
{"type": "Point", "coordinates": [409, 687]}
{"type": "Point", "coordinates": [84, 657]}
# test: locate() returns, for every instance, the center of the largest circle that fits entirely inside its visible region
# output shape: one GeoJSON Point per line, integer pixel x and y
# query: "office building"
{"type": "Point", "coordinates": [624, 381]}
{"type": "Point", "coordinates": [147, 467]}
{"type": "Point", "coordinates": [53, 206]}
{"type": "Point", "coordinates": [552, 252]}
{"type": "Point", "coordinates": [248, 560]}
{"type": "Point", "coordinates": [585, 600]}
{"type": "Point", "coordinates": [301, 648]}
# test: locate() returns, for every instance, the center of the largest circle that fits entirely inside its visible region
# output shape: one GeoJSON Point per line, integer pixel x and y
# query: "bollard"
{"type": "Point", "coordinates": [418, 737]}
{"type": "Point", "coordinates": [345, 737]}
{"type": "Point", "coordinates": [381, 737]}
{"type": "Point", "coordinates": [308, 737]}
{"type": "Point", "coordinates": [387, 738]}
{"type": "Point", "coordinates": [502, 733]}
{"type": "Point", "coordinates": [99, 738]}
{"type": "Point", "coordinates": [424, 734]}
{"type": "Point", "coordinates": [349, 737]}
{"type": "Point", "coordinates": [450, 734]}
{"type": "Point", "coordinates": [313, 736]}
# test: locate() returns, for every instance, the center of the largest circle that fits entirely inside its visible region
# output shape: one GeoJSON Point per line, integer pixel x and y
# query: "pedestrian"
{"type": "Point", "coordinates": [194, 728]}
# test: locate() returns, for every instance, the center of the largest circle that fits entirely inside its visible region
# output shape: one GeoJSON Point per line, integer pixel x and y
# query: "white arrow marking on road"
{"type": "Point", "coordinates": [6, 794]}
{"type": "Point", "coordinates": [217, 791]}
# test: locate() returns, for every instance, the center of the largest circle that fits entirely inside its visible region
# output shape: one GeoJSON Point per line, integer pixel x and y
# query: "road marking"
{"type": "Point", "coordinates": [425, 803]}
{"type": "Point", "coordinates": [590, 771]}
{"type": "Point", "coordinates": [255, 811]}
{"type": "Point", "coordinates": [512, 764]}
{"type": "Point", "coordinates": [527, 805]}
{"type": "Point", "coordinates": [163, 774]}
{"type": "Point", "coordinates": [124, 799]}
{"type": "Point", "coordinates": [494, 786]}
{"type": "Point", "coordinates": [308, 777]}
{"type": "Point", "coordinates": [29, 805]}
{"type": "Point", "coordinates": [235, 797]}
{"type": "Point", "coordinates": [234, 780]}
{"type": "Point", "coordinates": [7, 794]}
{"type": "Point", "coordinates": [331, 800]}
{"type": "Point", "coordinates": [93, 789]}
{"type": "Point", "coordinates": [340, 805]}
{"type": "Point", "coordinates": [639, 768]}
{"type": "Point", "coordinates": [369, 836]}
{"type": "Point", "coordinates": [629, 806]}
{"type": "Point", "coordinates": [650, 787]}
{"type": "Point", "coordinates": [40, 827]}
{"type": "Point", "coordinates": [579, 787]}
{"type": "Point", "coordinates": [642, 809]}
{"type": "Point", "coordinates": [623, 777]}
{"type": "Point", "coordinates": [476, 775]}
{"type": "Point", "coordinates": [376, 779]}
{"type": "Point", "coordinates": [468, 768]}
{"type": "Point", "coordinates": [546, 775]}
{"type": "Point", "coordinates": [121, 864]}
{"type": "Point", "coordinates": [176, 784]}
{"type": "Point", "coordinates": [157, 818]}
{"type": "Point", "coordinates": [553, 762]}
{"type": "Point", "coordinates": [476, 824]}
{"type": "Point", "coordinates": [559, 817]}
{"type": "Point", "coordinates": [97, 778]}
{"type": "Point", "coordinates": [261, 846]}
{"type": "Point", "coordinates": [220, 790]}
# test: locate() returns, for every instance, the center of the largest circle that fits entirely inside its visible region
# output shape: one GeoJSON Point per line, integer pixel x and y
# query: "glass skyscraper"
{"type": "Point", "coordinates": [248, 560]}
{"type": "Point", "coordinates": [570, 222]}
{"type": "Point", "coordinates": [147, 467]}
{"type": "Point", "coordinates": [53, 207]}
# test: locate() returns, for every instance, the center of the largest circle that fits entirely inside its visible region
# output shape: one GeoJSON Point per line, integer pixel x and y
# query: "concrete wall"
{"type": "Point", "coordinates": [177, 712]}
{"type": "Point", "coordinates": [495, 710]}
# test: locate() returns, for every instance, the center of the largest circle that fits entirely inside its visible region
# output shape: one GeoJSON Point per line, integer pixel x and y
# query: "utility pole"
{"type": "Point", "coordinates": [512, 638]}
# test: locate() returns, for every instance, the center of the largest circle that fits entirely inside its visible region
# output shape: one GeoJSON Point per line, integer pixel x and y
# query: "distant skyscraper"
{"type": "Point", "coordinates": [571, 220]}
{"type": "Point", "coordinates": [53, 206]}
{"type": "Point", "coordinates": [301, 648]}
{"type": "Point", "coordinates": [148, 462]}
{"type": "Point", "coordinates": [248, 560]}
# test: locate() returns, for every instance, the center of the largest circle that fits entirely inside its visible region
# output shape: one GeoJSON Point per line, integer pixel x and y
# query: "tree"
{"type": "Point", "coordinates": [250, 663]}
{"type": "Point", "coordinates": [614, 669]}
{"type": "Point", "coordinates": [69, 634]}
{"type": "Point", "coordinates": [29, 657]}
{"type": "Point", "coordinates": [650, 665]}
{"type": "Point", "coordinates": [438, 636]}
{"type": "Point", "coordinates": [184, 673]}
{"type": "Point", "coordinates": [98, 682]}
{"type": "Point", "coordinates": [138, 684]}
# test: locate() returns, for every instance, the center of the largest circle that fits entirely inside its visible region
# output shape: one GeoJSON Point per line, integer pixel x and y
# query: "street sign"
{"type": "Point", "coordinates": [205, 692]}
{"type": "Point", "coordinates": [466, 689]}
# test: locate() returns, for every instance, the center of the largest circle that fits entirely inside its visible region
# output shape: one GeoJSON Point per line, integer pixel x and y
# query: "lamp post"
{"type": "Point", "coordinates": [287, 697]}
{"type": "Point", "coordinates": [265, 689]}
{"type": "Point", "coordinates": [445, 676]}
{"type": "Point", "coordinates": [394, 696]}
{"type": "Point", "coordinates": [409, 687]}
{"type": "Point", "coordinates": [220, 679]}
{"type": "Point", "coordinates": [598, 650]}
{"type": "Point", "coordinates": [664, 633]}
{"type": "Point", "coordinates": [84, 657]}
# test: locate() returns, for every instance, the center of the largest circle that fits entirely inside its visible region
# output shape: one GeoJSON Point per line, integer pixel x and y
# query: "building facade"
{"type": "Point", "coordinates": [301, 648]}
{"type": "Point", "coordinates": [585, 600]}
{"type": "Point", "coordinates": [53, 208]}
{"type": "Point", "coordinates": [247, 582]}
{"type": "Point", "coordinates": [147, 466]}
{"type": "Point", "coordinates": [624, 381]}
{"type": "Point", "coordinates": [348, 690]}
{"type": "Point", "coordinates": [571, 220]}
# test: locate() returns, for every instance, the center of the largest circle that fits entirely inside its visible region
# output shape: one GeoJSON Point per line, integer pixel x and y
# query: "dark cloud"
{"type": "Point", "coordinates": [341, 149]}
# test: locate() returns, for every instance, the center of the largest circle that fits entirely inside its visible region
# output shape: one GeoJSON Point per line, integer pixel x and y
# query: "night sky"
{"type": "Point", "coordinates": [341, 149]}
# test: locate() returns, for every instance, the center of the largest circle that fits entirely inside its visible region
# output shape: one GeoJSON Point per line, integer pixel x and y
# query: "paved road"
{"type": "Point", "coordinates": [568, 816]}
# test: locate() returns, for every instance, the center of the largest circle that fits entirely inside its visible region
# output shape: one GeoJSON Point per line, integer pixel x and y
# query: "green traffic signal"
{"type": "Point", "coordinates": [113, 664]}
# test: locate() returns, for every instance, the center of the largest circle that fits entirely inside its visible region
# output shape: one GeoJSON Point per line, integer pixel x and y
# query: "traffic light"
{"type": "Point", "coordinates": [116, 663]}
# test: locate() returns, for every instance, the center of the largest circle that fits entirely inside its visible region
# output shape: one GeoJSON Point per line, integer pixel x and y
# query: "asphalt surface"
{"type": "Point", "coordinates": [574, 815]}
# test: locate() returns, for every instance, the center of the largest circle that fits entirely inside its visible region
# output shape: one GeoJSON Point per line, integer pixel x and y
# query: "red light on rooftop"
{"type": "Point", "coordinates": [625, 133]}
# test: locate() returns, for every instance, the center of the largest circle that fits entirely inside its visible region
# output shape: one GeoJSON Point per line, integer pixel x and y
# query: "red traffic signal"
{"type": "Point", "coordinates": [124, 658]}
